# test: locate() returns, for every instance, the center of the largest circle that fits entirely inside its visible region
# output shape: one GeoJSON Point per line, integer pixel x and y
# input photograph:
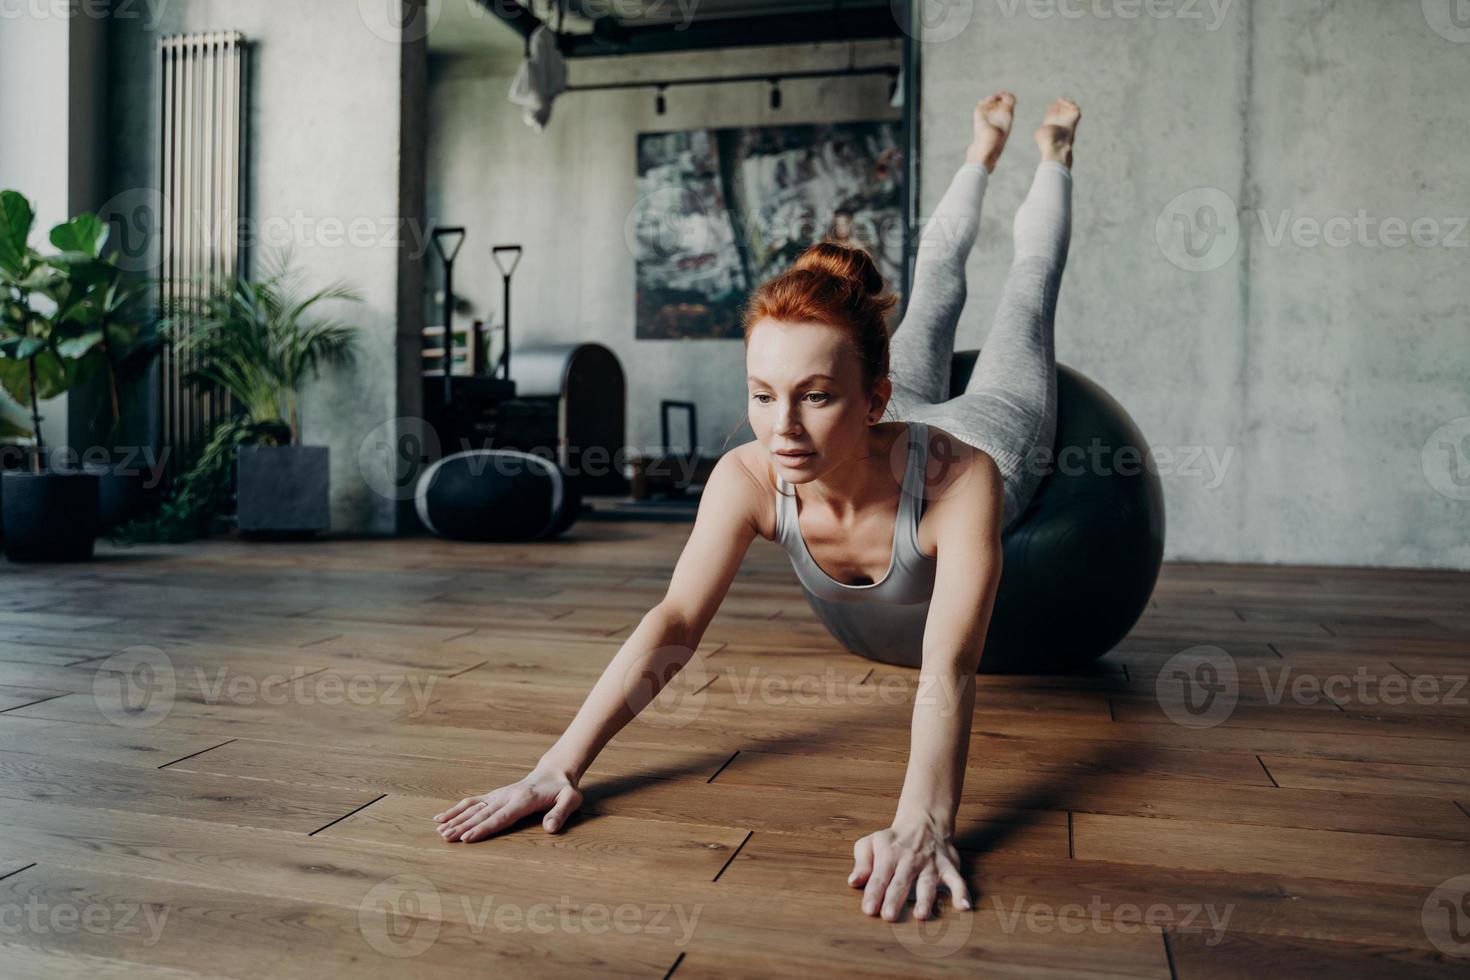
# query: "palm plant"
{"type": "Point", "coordinates": [258, 341]}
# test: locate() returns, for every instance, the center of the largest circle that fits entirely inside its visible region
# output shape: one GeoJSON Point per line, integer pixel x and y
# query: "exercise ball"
{"type": "Point", "coordinates": [496, 495]}
{"type": "Point", "coordinates": [1081, 561]}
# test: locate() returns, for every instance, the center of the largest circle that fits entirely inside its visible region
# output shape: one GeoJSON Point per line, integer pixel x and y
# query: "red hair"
{"type": "Point", "coordinates": [838, 285]}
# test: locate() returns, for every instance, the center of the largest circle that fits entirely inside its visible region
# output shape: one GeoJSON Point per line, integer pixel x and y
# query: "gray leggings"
{"type": "Point", "coordinates": [1009, 406]}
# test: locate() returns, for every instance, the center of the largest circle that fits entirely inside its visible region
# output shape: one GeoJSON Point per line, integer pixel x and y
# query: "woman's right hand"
{"type": "Point", "coordinates": [477, 817]}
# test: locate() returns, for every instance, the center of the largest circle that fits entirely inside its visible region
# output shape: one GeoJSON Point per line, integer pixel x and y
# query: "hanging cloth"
{"type": "Point", "coordinates": [540, 79]}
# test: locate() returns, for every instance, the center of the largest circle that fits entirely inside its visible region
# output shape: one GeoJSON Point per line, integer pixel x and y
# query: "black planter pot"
{"type": "Point", "coordinates": [124, 495]}
{"type": "Point", "coordinates": [282, 491]}
{"type": "Point", "coordinates": [49, 516]}
{"type": "Point", "coordinates": [123, 492]}
{"type": "Point", "coordinates": [11, 458]}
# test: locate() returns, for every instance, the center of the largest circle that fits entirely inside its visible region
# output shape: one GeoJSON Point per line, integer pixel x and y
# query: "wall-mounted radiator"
{"type": "Point", "coordinates": [200, 165]}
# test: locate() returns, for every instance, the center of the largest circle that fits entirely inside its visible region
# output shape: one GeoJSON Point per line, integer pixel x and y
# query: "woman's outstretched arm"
{"type": "Point", "coordinates": [662, 644]}
{"type": "Point", "coordinates": [918, 850]}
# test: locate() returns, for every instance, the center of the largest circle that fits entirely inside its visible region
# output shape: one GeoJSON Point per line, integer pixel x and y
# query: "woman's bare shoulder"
{"type": "Point", "coordinates": [761, 481]}
{"type": "Point", "coordinates": [955, 473]}
{"type": "Point", "coordinates": [950, 459]}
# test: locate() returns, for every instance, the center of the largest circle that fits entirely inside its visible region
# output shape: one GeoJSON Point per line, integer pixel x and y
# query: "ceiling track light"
{"type": "Point", "coordinates": [774, 81]}
{"type": "Point", "coordinates": [661, 104]}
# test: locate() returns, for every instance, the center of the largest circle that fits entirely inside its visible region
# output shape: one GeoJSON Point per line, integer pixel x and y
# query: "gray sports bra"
{"type": "Point", "coordinates": [910, 577]}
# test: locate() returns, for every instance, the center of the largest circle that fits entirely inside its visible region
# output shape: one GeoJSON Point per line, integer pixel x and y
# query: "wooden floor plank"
{"type": "Point", "coordinates": [175, 927]}
{"type": "Point", "coordinates": [1247, 955]}
{"type": "Point", "coordinates": [162, 792]}
{"type": "Point", "coordinates": [44, 654]}
{"type": "Point", "coordinates": [770, 769]}
{"type": "Point", "coordinates": [16, 697]}
{"type": "Point", "coordinates": [39, 963]}
{"type": "Point", "coordinates": [1443, 782]}
{"type": "Point", "coordinates": [96, 743]}
{"type": "Point", "coordinates": [602, 843]}
{"type": "Point", "coordinates": [1211, 846]}
{"type": "Point", "coordinates": [1104, 895]}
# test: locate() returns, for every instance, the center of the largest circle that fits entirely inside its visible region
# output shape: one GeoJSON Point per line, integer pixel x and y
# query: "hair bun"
{"type": "Point", "coordinates": [835, 285]}
{"type": "Point", "coordinates": [854, 265]}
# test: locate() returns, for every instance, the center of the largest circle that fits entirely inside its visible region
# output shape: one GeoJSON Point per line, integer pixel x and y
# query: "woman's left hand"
{"type": "Point", "coordinates": [888, 863]}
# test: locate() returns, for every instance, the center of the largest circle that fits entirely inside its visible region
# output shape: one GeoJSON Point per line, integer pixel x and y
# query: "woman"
{"type": "Point", "coordinates": [894, 528]}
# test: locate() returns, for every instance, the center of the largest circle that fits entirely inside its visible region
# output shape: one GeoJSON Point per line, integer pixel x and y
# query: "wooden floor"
{"type": "Point", "coordinates": [223, 759]}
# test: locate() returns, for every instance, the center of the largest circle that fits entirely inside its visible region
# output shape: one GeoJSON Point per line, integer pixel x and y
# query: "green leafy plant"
{"type": "Point", "coordinates": [12, 432]}
{"type": "Point", "coordinates": [200, 491]}
{"type": "Point", "coordinates": [105, 319]}
{"type": "Point", "coordinates": [259, 341]}
{"type": "Point", "coordinates": [41, 355]}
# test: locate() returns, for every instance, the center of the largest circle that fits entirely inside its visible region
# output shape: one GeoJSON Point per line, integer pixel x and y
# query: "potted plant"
{"type": "Point", "coordinates": [102, 318]}
{"type": "Point", "coordinates": [259, 341]}
{"type": "Point", "coordinates": [47, 514]}
{"type": "Point", "coordinates": [198, 493]}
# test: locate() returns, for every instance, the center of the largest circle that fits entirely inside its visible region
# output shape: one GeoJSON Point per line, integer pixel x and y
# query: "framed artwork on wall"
{"type": "Point", "coordinates": [720, 211]}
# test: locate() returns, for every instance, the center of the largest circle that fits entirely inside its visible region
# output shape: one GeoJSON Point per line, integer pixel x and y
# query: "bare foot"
{"type": "Point", "coordinates": [1054, 136]}
{"type": "Point", "coordinates": [992, 126]}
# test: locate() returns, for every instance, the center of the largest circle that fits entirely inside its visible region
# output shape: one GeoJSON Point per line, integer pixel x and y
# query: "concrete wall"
{"type": "Point", "coordinates": [325, 141]}
{"type": "Point", "coordinates": [565, 194]}
{"type": "Point", "coordinates": [48, 146]}
{"type": "Point", "coordinates": [1324, 373]}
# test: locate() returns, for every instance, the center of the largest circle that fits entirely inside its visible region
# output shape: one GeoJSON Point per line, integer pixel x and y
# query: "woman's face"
{"type": "Point", "coordinates": [806, 394]}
